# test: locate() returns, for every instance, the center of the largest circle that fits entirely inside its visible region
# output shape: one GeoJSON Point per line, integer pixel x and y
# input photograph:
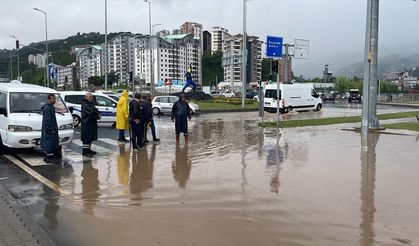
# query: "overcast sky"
{"type": "Point", "coordinates": [330, 25]}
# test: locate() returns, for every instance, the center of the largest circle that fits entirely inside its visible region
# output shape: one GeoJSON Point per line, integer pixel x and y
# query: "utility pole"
{"type": "Point", "coordinates": [286, 63]}
{"type": "Point", "coordinates": [244, 53]}
{"type": "Point", "coordinates": [369, 111]}
{"type": "Point", "coordinates": [106, 45]}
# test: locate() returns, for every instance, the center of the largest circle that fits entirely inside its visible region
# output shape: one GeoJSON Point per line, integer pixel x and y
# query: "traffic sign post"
{"type": "Point", "coordinates": [274, 49]}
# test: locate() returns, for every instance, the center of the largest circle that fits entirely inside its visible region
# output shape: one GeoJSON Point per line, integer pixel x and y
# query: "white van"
{"type": "Point", "coordinates": [296, 97]}
{"type": "Point", "coordinates": [21, 115]}
{"type": "Point", "coordinates": [105, 104]}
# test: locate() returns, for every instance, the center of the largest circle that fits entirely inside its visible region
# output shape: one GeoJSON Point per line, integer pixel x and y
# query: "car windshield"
{"type": "Point", "coordinates": [32, 102]}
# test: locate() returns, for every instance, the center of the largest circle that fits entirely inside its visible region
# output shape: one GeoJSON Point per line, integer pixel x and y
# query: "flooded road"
{"type": "Point", "coordinates": [233, 184]}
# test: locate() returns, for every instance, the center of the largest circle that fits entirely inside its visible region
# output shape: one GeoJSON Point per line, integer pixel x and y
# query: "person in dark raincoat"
{"type": "Point", "coordinates": [180, 115]}
{"type": "Point", "coordinates": [49, 135]}
{"type": "Point", "coordinates": [137, 121]}
{"type": "Point", "coordinates": [89, 116]}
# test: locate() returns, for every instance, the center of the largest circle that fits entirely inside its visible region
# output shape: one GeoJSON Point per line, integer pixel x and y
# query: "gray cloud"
{"type": "Point", "coordinates": [331, 25]}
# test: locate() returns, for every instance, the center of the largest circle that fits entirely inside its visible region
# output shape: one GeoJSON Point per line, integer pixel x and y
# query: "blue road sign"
{"type": "Point", "coordinates": [274, 46]}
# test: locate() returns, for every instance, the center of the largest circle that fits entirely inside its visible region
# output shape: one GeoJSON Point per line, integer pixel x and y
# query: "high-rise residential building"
{"type": "Point", "coordinates": [206, 41]}
{"type": "Point", "coordinates": [233, 46]}
{"type": "Point", "coordinates": [90, 62]}
{"type": "Point", "coordinates": [198, 32]}
{"type": "Point", "coordinates": [218, 35]}
{"type": "Point", "coordinates": [65, 75]}
{"type": "Point", "coordinates": [121, 55]}
{"type": "Point", "coordinates": [38, 60]}
{"type": "Point", "coordinates": [172, 55]}
{"type": "Point", "coordinates": [282, 66]}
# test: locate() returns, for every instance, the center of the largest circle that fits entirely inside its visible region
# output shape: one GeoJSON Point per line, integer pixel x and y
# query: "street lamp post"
{"type": "Point", "coordinates": [106, 45]}
{"type": "Point", "coordinates": [46, 44]}
{"type": "Point", "coordinates": [150, 48]}
{"type": "Point", "coordinates": [17, 54]}
{"type": "Point", "coordinates": [244, 53]}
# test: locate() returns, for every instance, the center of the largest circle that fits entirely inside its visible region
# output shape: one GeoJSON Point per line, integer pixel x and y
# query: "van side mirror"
{"type": "Point", "coordinates": [3, 111]}
{"type": "Point", "coordinates": [113, 105]}
{"type": "Point", "coordinates": [71, 108]}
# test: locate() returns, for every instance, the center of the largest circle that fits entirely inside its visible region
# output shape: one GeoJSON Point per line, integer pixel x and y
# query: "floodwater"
{"type": "Point", "coordinates": [236, 184]}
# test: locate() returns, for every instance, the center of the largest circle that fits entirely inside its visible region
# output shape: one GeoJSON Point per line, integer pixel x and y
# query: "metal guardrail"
{"type": "Point", "coordinates": [398, 98]}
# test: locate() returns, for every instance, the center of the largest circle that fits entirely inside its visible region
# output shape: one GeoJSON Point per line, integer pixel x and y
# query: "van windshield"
{"type": "Point", "coordinates": [272, 94]}
{"type": "Point", "coordinates": [32, 102]}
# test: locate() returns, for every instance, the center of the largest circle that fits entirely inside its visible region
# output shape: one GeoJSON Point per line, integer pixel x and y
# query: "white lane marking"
{"type": "Point", "coordinates": [94, 147]}
{"type": "Point", "coordinates": [36, 175]}
{"type": "Point", "coordinates": [110, 141]}
{"type": "Point", "coordinates": [33, 160]}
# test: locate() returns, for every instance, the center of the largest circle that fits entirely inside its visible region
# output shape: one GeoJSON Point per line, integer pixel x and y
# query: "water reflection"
{"type": "Point", "coordinates": [368, 162]}
{"type": "Point", "coordinates": [142, 173]}
{"type": "Point", "coordinates": [122, 162]}
{"type": "Point", "coordinates": [274, 158]}
{"type": "Point", "coordinates": [51, 208]}
{"type": "Point", "coordinates": [181, 166]}
{"type": "Point", "coordinates": [90, 187]}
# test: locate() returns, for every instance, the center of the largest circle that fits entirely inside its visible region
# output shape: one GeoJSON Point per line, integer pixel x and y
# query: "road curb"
{"type": "Point", "coordinates": [400, 105]}
{"type": "Point", "coordinates": [17, 228]}
{"type": "Point", "coordinates": [227, 110]}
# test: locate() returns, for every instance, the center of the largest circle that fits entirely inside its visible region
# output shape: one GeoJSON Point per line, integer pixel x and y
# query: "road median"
{"type": "Point", "coordinates": [336, 120]}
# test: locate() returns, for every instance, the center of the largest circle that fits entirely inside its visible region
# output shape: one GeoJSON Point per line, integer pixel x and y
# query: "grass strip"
{"type": "Point", "coordinates": [337, 120]}
{"type": "Point", "coordinates": [413, 126]}
{"type": "Point", "coordinates": [220, 105]}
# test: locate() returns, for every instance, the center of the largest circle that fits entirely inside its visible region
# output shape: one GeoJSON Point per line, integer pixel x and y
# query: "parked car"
{"type": "Point", "coordinates": [105, 104]}
{"type": "Point", "coordinates": [354, 96]}
{"type": "Point", "coordinates": [251, 94]}
{"type": "Point", "coordinates": [328, 97]}
{"type": "Point", "coordinates": [164, 104]}
{"type": "Point", "coordinates": [21, 115]}
{"type": "Point", "coordinates": [216, 94]}
{"type": "Point", "coordinates": [229, 94]}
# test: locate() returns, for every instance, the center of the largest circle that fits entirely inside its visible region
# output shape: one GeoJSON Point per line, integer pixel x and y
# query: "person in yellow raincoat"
{"type": "Point", "coordinates": [122, 116]}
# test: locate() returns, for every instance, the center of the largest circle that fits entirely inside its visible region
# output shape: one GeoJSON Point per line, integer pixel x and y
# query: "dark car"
{"type": "Point", "coordinates": [329, 97]}
{"type": "Point", "coordinates": [354, 96]}
{"type": "Point", "coordinates": [251, 94]}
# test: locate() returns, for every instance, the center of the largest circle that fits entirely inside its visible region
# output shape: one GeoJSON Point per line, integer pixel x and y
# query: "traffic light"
{"type": "Point", "coordinates": [17, 44]}
{"type": "Point", "coordinates": [275, 65]}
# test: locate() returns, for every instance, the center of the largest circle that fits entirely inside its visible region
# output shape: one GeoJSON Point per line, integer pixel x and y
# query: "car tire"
{"type": "Point", "coordinates": [319, 107]}
{"type": "Point", "coordinates": [76, 120]}
{"type": "Point", "coordinates": [156, 111]}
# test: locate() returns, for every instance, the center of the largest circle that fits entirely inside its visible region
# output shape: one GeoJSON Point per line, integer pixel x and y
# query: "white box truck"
{"type": "Point", "coordinates": [298, 97]}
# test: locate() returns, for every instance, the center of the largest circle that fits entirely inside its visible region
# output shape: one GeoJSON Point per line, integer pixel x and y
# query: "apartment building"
{"type": "Point", "coordinates": [65, 75]}
{"type": "Point", "coordinates": [89, 60]}
{"type": "Point", "coordinates": [38, 60]}
{"type": "Point", "coordinates": [172, 55]}
{"type": "Point", "coordinates": [206, 41]}
{"type": "Point", "coordinates": [218, 35]}
{"type": "Point", "coordinates": [121, 55]}
{"type": "Point", "coordinates": [233, 46]}
{"type": "Point", "coordinates": [282, 66]}
{"type": "Point", "coordinates": [198, 33]}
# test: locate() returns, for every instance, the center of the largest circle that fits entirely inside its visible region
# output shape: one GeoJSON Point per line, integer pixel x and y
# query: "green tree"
{"type": "Point", "coordinates": [96, 80]}
{"type": "Point", "coordinates": [266, 70]}
{"type": "Point", "coordinates": [388, 87]}
{"type": "Point", "coordinates": [211, 68]}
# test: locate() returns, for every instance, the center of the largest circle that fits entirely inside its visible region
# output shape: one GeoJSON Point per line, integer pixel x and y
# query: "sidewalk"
{"type": "Point", "coordinates": [16, 227]}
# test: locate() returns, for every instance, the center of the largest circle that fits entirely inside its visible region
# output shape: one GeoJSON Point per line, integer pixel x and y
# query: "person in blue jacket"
{"type": "Point", "coordinates": [189, 81]}
{"type": "Point", "coordinates": [49, 133]}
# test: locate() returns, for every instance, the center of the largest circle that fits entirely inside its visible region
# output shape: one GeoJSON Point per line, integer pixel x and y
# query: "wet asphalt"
{"type": "Point", "coordinates": [233, 183]}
